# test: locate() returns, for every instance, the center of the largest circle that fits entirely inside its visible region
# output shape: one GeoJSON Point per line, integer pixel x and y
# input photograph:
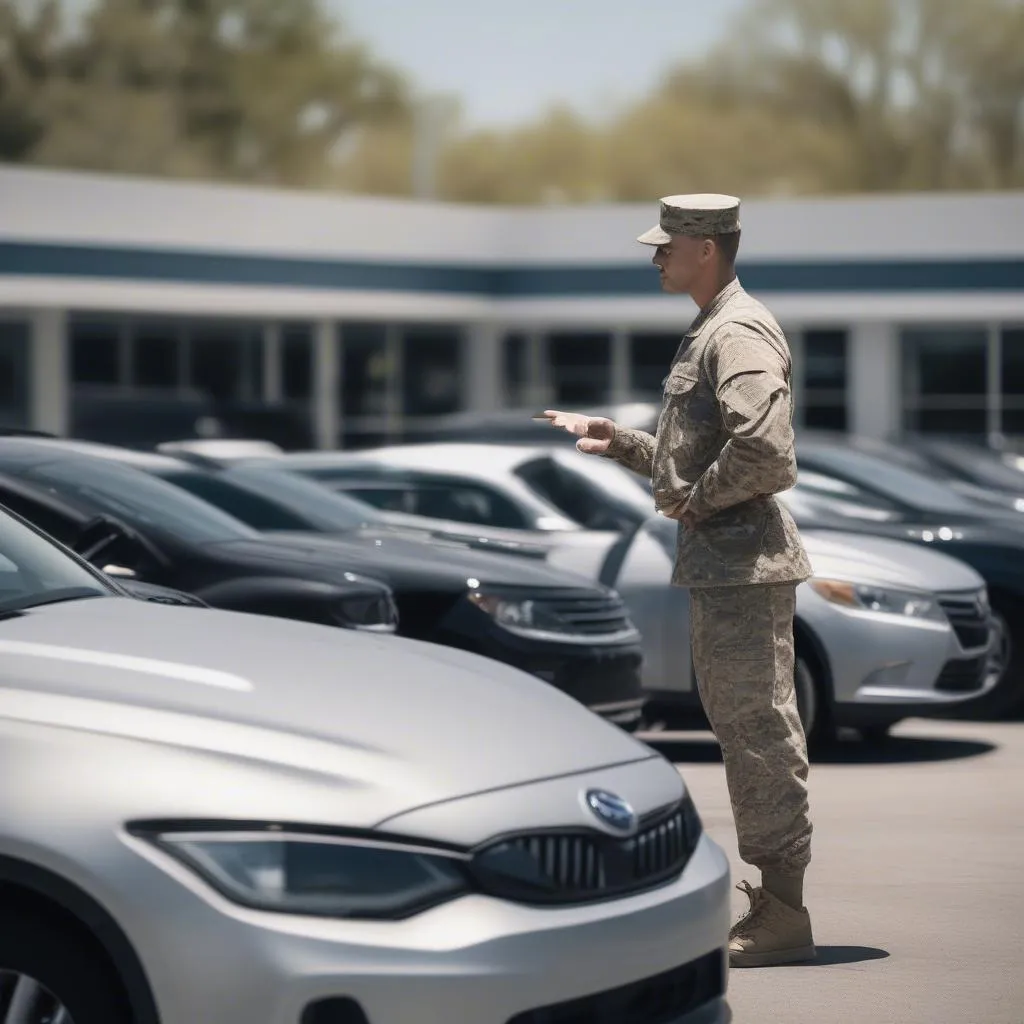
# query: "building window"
{"type": "Point", "coordinates": [226, 361]}
{"type": "Point", "coordinates": [366, 369]}
{"type": "Point", "coordinates": [156, 355]}
{"type": "Point", "coordinates": [95, 351]}
{"type": "Point", "coordinates": [432, 361]}
{"type": "Point", "coordinates": [297, 363]}
{"type": "Point", "coordinates": [1011, 368]}
{"type": "Point", "coordinates": [945, 380]}
{"type": "Point", "coordinates": [581, 372]}
{"type": "Point", "coordinates": [650, 356]}
{"type": "Point", "coordinates": [823, 402]}
{"type": "Point", "coordinates": [14, 373]}
{"type": "Point", "coordinates": [515, 378]}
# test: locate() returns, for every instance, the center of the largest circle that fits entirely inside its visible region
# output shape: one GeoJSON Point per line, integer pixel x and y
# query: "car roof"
{"type": "Point", "coordinates": [151, 461]}
{"type": "Point", "coordinates": [481, 460]}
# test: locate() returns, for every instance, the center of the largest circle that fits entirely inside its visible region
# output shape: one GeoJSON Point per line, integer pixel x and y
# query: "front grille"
{"type": "Point", "coordinates": [588, 614]}
{"type": "Point", "coordinates": [969, 619]}
{"type": "Point", "coordinates": [964, 676]}
{"type": "Point", "coordinates": [662, 999]}
{"type": "Point", "coordinates": [559, 867]}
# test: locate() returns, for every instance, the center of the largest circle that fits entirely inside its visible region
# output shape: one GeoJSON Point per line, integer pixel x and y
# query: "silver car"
{"type": "Point", "coordinates": [209, 817]}
{"type": "Point", "coordinates": [884, 631]}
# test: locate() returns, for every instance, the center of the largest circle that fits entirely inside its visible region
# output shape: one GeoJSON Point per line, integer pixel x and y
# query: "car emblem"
{"type": "Point", "coordinates": [611, 810]}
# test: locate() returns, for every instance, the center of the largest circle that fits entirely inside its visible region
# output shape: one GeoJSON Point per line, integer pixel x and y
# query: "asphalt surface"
{"type": "Point", "coordinates": [916, 888]}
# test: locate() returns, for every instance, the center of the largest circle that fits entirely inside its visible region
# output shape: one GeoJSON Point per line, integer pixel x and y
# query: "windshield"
{"type": "Point", "coordinates": [981, 465]}
{"type": "Point", "coordinates": [34, 571]}
{"type": "Point", "coordinates": [810, 507]}
{"type": "Point", "coordinates": [269, 500]}
{"type": "Point", "coordinates": [139, 500]}
{"type": "Point", "coordinates": [881, 478]}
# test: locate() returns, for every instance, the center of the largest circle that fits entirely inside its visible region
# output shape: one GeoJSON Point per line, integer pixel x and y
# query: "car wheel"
{"type": "Point", "coordinates": [813, 714]}
{"type": "Point", "coordinates": [48, 976]}
{"type": "Point", "coordinates": [1007, 698]}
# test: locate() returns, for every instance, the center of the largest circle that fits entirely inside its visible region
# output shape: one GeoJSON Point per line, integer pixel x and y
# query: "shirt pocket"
{"type": "Point", "coordinates": [679, 383]}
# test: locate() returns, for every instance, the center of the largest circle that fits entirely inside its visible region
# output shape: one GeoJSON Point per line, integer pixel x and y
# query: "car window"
{"type": "Point", "coordinates": [140, 500]}
{"type": "Point", "coordinates": [251, 508]}
{"type": "Point", "coordinates": [387, 499]}
{"type": "Point", "coordinates": [578, 497]}
{"type": "Point", "coordinates": [317, 503]}
{"type": "Point", "coordinates": [33, 570]}
{"type": "Point", "coordinates": [455, 500]}
{"type": "Point", "coordinates": [469, 503]}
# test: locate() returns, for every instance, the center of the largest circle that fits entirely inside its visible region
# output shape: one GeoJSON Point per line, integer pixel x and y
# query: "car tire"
{"type": "Point", "coordinates": [46, 968]}
{"type": "Point", "coordinates": [1006, 700]}
{"type": "Point", "coordinates": [814, 712]}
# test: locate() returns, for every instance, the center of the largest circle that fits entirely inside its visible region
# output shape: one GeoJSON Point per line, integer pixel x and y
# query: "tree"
{"type": "Point", "coordinates": [249, 90]}
{"type": "Point", "coordinates": [560, 158]}
{"type": "Point", "coordinates": [28, 62]}
{"type": "Point", "coordinates": [803, 96]}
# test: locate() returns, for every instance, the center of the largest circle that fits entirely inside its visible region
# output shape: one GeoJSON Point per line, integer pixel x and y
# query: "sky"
{"type": "Point", "coordinates": [510, 61]}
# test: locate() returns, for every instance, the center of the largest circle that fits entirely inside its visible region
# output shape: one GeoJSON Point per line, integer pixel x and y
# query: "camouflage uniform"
{"type": "Point", "coordinates": [724, 447]}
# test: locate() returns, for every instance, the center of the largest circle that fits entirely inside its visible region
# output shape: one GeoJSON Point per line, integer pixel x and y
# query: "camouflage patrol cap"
{"type": "Point", "coordinates": [696, 215]}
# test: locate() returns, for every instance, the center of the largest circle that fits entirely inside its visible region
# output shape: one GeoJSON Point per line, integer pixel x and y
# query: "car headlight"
{"type": "Point", "coordinates": [607, 621]}
{"type": "Point", "coordinates": [914, 604]}
{"type": "Point", "coordinates": [321, 875]}
{"type": "Point", "coordinates": [518, 614]}
{"type": "Point", "coordinates": [373, 611]}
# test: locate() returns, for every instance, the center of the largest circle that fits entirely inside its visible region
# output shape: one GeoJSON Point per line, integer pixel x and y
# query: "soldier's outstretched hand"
{"type": "Point", "coordinates": [595, 432]}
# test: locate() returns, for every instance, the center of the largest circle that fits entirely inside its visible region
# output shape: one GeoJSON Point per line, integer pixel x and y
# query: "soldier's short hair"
{"type": "Point", "coordinates": [728, 244]}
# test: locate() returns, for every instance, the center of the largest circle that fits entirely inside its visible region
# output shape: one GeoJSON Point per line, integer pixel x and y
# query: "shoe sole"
{"type": "Point", "coordinates": [773, 959]}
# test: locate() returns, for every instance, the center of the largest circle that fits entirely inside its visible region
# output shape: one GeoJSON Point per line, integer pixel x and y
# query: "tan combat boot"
{"type": "Point", "coordinates": [771, 933]}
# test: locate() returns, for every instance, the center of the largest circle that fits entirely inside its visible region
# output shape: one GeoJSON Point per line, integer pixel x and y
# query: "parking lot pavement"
{"type": "Point", "coordinates": [917, 884]}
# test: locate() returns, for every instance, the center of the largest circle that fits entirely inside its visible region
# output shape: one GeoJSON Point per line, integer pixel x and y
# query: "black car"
{"type": "Point", "coordinates": [570, 632]}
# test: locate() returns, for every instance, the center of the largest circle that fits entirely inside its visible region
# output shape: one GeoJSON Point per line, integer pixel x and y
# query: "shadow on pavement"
{"type": "Point", "coordinates": [696, 750]}
{"type": "Point", "coordinates": [901, 750]}
{"type": "Point", "coordinates": [836, 956]}
{"type": "Point", "coordinates": [690, 749]}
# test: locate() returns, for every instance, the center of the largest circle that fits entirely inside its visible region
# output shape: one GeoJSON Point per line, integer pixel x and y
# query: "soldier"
{"type": "Point", "coordinates": [723, 448]}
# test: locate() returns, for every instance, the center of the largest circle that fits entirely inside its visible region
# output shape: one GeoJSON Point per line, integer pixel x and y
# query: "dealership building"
{"type": "Point", "coordinates": [370, 316]}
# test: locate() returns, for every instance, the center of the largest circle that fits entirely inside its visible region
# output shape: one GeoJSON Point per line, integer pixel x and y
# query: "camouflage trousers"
{"type": "Point", "coordinates": [742, 639]}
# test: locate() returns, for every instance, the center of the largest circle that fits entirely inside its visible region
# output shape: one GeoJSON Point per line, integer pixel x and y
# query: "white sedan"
{"type": "Point", "coordinates": [208, 817]}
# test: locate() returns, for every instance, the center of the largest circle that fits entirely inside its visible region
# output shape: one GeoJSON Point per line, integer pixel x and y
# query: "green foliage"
{"type": "Point", "coordinates": [253, 90]}
{"type": "Point", "coordinates": [802, 97]}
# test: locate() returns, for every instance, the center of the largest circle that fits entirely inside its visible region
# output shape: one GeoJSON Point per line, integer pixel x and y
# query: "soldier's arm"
{"type": "Point", "coordinates": [633, 449]}
{"type": "Point", "coordinates": [750, 380]}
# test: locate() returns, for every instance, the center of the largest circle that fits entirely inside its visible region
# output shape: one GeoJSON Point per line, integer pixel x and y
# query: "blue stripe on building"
{"type": "Point", "coordinates": [494, 282]}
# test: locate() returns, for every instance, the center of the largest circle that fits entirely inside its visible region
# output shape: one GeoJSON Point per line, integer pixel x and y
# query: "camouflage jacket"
{"type": "Point", "coordinates": [724, 448]}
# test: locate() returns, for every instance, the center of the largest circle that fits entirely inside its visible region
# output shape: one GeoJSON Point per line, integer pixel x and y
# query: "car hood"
{"type": "Point", "coordinates": [378, 725]}
{"type": "Point", "coordinates": [886, 562]}
{"type": "Point", "coordinates": [399, 561]}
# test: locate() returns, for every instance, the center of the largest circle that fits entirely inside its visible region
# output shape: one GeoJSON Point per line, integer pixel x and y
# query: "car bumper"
{"type": "Point", "coordinates": [895, 664]}
{"type": "Point", "coordinates": [475, 961]}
